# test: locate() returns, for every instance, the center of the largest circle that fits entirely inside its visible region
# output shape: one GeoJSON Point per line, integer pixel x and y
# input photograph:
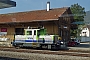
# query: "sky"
{"type": "Point", "coordinates": [29, 5]}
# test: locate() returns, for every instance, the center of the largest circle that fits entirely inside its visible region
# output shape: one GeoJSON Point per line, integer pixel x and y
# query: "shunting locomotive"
{"type": "Point", "coordinates": [36, 38]}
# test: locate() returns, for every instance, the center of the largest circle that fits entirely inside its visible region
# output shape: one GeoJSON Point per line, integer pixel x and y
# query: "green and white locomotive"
{"type": "Point", "coordinates": [36, 38]}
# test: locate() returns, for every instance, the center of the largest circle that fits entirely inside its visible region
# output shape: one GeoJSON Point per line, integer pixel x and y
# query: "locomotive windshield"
{"type": "Point", "coordinates": [29, 33]}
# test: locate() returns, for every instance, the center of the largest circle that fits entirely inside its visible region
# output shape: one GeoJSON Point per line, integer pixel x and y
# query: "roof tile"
{"type": "Point", "coordinates": [38, 15]}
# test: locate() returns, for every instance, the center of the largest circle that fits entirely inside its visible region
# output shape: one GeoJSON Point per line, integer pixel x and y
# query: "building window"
{"type": "Point", "coordinates": [84, 32]}
{"type": "Point", "coordinates": [19, 31]}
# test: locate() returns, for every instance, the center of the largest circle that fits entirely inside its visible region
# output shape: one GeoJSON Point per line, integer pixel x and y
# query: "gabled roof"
{"type": "Point", "coordinates": [88, 26]}
{"type": "Point", "coordinates": [29, 16]}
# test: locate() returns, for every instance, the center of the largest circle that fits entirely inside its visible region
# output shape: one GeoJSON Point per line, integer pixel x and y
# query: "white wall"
{"type": "Point", "coordinates": [85, 35]}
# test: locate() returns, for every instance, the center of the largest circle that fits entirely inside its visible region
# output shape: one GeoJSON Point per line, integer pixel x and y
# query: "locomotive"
{"type": "Point", "coordinates": [36, 38]}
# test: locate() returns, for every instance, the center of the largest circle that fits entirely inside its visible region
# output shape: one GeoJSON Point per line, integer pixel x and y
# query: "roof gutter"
{"type": "Point", "coordinates": [29, 21]}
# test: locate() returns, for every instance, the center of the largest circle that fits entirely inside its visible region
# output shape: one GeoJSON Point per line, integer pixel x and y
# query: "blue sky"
{"type": "Point", "coordinates": [29, 5]}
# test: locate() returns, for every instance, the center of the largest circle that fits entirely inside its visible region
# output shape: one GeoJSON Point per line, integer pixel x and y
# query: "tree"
{"type": "Point", "coordinates": [78, 13]}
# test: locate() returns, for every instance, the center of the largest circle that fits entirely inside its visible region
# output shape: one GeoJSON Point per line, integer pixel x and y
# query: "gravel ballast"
{"type": "Point", "coordinates": [37, 56]}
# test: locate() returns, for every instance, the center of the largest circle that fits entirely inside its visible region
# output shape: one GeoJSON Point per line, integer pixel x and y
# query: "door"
{"type": "Point", "coordinates": [34, 36]}
{"type": "Point", "coordinates": [31, 36]}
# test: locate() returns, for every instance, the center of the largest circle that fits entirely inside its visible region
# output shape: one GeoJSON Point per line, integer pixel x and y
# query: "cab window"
{"type": "Point", "coordinates": [29, 32]}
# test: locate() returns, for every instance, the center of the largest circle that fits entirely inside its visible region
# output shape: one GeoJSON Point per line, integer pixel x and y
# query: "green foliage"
{"type": "Point", "coordinates": [79, 13]}
{"type": "Point", "coordinates": [73, 33]}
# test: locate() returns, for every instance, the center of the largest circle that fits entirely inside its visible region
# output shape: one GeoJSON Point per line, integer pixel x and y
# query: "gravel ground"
{"type": "Point", "coordinates": [36, 56]}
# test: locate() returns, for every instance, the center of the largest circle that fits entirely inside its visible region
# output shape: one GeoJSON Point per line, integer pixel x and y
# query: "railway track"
{"type": "Point", "coordinates": [60, 52]}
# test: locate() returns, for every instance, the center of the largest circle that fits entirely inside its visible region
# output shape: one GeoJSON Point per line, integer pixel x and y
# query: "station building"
{"type": "Point", "coordinates": [56, 20]}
